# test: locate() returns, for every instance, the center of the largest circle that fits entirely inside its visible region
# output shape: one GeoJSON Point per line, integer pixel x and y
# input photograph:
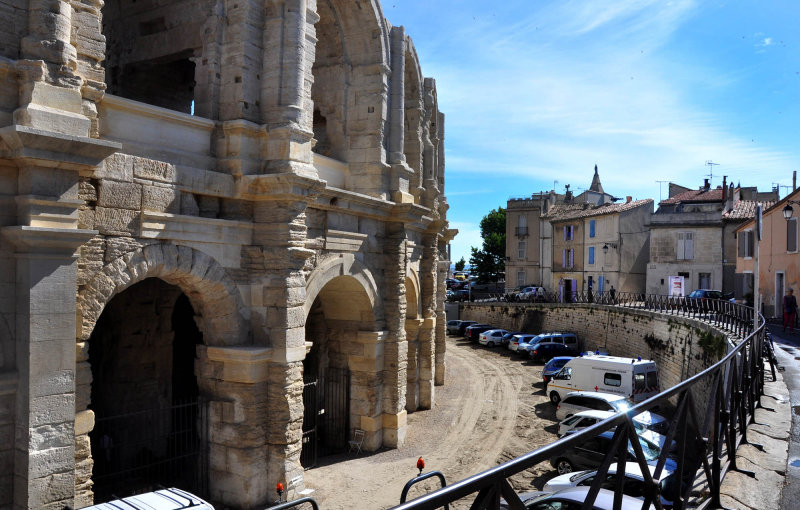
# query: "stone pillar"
{"type": "Point", "coordinates": [286, 86]}
{"type": "Point", "coordinates": [413, 371]}
{"type": "Point", "coordinates": [276, 263]}
{"type": "Point", "coordinates": [234, 380]}
{"type": "Point", "coordinates": [240, 68]}
{"type": "Point", "coordinates": [440, 342]}
{"type": "Point", "coordinates": [428, 292]}
{"type": "Point", "coordinates": [45, 241]}
{"type": "Point", "coordinates": [367, 390]}
{"type": "Point", "coordinates": [49, 31]}
{"type": "Point", "coordinates": [397, 96]}
{"type": "Point", "coordinates": [395, 344]}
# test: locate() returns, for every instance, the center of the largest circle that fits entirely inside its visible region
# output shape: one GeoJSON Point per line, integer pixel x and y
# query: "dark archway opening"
{"type": "Point", "coordinates": [149, 421]}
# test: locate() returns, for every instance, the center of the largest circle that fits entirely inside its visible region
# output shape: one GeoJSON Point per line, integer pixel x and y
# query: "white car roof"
{"type": "Point", "coordinates": [608, 397]}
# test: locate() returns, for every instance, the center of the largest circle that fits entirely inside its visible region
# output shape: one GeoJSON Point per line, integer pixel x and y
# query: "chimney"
{"type": "Point", "coordinates": [724, 188]}
{"type": "Point", "coordinates": [628, 199]}
{"type": "Point", "coordinates": [794, 180]}
{"type": "Point", "coordinates": [705, 185]}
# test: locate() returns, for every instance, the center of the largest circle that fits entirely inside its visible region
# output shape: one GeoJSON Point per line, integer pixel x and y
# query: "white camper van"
{"type": "Point", "coordinates": [633, 378]}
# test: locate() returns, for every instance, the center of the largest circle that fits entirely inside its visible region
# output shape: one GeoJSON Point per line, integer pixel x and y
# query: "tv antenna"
{"type": "Point", "coordinates": [659, 189]}
{"type": "Point", "coordinates": [710, 164]}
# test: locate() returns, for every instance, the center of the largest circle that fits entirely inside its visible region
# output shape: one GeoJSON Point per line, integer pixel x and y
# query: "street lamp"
{"type": "Point", "coordinates": [789, 210]}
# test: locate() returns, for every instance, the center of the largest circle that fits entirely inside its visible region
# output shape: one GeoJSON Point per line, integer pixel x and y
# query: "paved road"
{"type": "Point", "coordinates": [787, 350]}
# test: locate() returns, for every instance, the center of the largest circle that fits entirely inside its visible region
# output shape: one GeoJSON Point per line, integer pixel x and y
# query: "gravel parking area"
{"type": "Point", "coordinates": [492, 408]}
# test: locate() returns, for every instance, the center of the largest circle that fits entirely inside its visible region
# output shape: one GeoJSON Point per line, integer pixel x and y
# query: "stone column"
{"type": "Point", "coordinates": [45, 241]}
{"type": "Point", "coordinates": [428, 280]}
{"type": "Point", "coordinates": [276, 263]}
{"type": "Point", "coordinates": [289, 40]}
{"type": "Point", "coordinates": [440, 342]}
{"type": "Point", "coordinates": [367, 390]}
{"type": "Point", "coordinates": [413, 371]}
{"type": "Point", "coordinates": [49, 31]}
{"type": "Point", "coordinates": [397, 96]}
{"type": "Point", "coordinates": [234, 380]}
{"type": "Point", "coordinates": [395, 344]}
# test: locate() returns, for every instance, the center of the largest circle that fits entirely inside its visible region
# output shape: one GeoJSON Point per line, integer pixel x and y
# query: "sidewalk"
{"type": "Point", "coordinates": [771, 429]}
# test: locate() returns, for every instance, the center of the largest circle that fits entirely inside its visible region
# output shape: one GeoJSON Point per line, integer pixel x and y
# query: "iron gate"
{"type": "Point", "coordinates": [142, 451]}
{"type": "Point", "coordinates": [326, 415]}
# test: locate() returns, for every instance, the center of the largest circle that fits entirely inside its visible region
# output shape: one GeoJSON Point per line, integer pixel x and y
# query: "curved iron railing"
{"type": "Point", "coordinates": [713, 409]}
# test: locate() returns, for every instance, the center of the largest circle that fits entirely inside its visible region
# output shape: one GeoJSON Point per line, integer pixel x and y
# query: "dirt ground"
{"type": "Point", "coordinates": [492, 408]}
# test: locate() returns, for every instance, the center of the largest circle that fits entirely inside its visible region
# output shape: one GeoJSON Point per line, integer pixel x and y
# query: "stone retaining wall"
{"type": "Point", "coordinates": [673, 342]}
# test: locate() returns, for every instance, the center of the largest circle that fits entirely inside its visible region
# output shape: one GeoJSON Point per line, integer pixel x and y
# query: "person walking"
{"type": "Point", "coordinates": [789, 310]}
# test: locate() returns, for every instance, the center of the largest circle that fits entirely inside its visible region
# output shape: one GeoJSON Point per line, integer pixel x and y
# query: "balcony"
{"type": "Point", "coordinates": [521, 231]}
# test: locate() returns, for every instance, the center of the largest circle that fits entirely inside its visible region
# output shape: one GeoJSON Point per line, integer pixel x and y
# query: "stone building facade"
{"type": "Point", "coordinates": [218, 202]}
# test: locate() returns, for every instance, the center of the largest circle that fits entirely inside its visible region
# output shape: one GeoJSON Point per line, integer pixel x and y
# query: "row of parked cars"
{"type": "Point", "coordinates": [587, 388]}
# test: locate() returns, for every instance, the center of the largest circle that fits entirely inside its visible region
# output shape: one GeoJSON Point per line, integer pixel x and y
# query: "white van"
{"type": "Point", "coordinates": [635, 379]}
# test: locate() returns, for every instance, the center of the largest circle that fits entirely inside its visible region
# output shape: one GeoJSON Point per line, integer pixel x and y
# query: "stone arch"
{"type": "Point", "coordinates": [413, 308]}
{"type": "Point", "coordinates": [212, 293]}
{"type": "Point", "coordinates": [350, 77]}
{"type": "Point", "coordinates": [344, 265]}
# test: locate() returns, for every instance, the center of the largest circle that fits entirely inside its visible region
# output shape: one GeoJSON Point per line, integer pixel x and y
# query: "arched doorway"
{"type": "Point", "coordinates": [149, 421]}
{"type": "Point", "coordinates": [336, 393]}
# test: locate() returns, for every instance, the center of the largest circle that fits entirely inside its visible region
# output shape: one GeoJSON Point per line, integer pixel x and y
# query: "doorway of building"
{"type": "Point", "coordinates": [780, 290]}
{"type": "Point", "coordinates": [150, 425]}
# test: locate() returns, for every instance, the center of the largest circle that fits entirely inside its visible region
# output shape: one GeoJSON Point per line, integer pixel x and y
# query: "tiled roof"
{"type": "Point", "coordinates": [695, 195]}
{"type": "Point", "coordinates": [746, 209]}
{"type": "Point", "coordinates": [574, 211]}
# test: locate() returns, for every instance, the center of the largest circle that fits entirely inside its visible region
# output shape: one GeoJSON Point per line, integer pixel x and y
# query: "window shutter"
{"type": "Point", "coordinates": [750, 240]}
{"type": "Point", "coordinates": [680, 250]}
{"type": "Point", "coordinates": [741, 241]}
{"type": "Point", "coordinates": [689, 246]}
{"type": "Point", "coordinates": [591, 228]}
{"type": "Point", "coordinates": [591, 255]}
{"type": "Point", "coordinates": [563, 258]}
{"type": "Point", "coordinates": [571, 258]}
{"type": "Point", "coordinates": [791, 234]}
{"type": "Point", "coordinates": [565, 232]}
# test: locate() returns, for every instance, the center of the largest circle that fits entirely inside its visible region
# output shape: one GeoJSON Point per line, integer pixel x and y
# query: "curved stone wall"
{"type": "Point", "coordinates": [673, 342]}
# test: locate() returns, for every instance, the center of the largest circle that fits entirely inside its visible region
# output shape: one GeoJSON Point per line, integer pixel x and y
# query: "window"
{"type": "Point", "coordinates": [746, 243]}
{"type": "Point", "coordinates": [704, 279]}
{"type": "Point", "coordinates": [565, 373]}
{"type": "Point", "coordinates": [521, 250]}
{"type": "Point", "coordinates": [612, 380]}
{"type": "Point", "coordinates": [652, 380]}
{"type": "Point", "coordinates": [638, 381]}
{"type": "Point", "coordinates": [522, 225]}
{"type": "Point", "coordinates": [591, 228]}
{"type": "Point", "coordinates": [791, 235]}
{"type": "Point", "coordinates": [570, 340]}
{"type": "Point", "coordinates": [520, 278]}
{"type": "Point", "coordinates": [569, 232]}
{"type": "Point", "coordinates": [685, 246]}
{"type": "Point", "coordinates": [591, 254]}
{"type": "Point", "coordinates": [571, 258]}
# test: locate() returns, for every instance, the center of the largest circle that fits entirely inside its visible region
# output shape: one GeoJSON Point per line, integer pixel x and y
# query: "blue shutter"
{"type": "Point", "coordinates": [591, 255]}
{"type": "Point", "coordinates": [591, 228]}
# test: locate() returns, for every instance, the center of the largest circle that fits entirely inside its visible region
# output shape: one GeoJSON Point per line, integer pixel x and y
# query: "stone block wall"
{"type": "Point", "coordinates": [670, 341]}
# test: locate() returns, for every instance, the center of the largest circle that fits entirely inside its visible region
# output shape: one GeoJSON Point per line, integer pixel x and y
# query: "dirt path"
{"type": "Point", "coordinates": [491, 409]}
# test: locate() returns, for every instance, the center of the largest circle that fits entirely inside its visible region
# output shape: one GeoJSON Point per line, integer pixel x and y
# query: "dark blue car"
{"type": "Point", "coordinates": [553, 366]}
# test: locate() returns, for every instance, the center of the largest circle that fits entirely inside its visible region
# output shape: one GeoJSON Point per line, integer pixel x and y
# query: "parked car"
{"type": "Point", "coordinates": [473, 331]}
{"type": "Point", "coordinates": [532, 294]}
{"type": "Point", "coordinates": [449, 295]}
{"type": "Point", "coordinates": [163, 499]}
{"type": "Point", "coordinates": [517, 340]}
{"type": "Point", "coordinates": [508, 336]}
{"type": "Point", "coordinates": [492, 337]}
{"type": "Point", "coordinates": [568, 339]}
{"type": "Point", "coordinates": [573, 498]}
{"type": "Point", "coordinates": [461, 295]}
{"type": "Point", "coordinates": [463, 326]}
{"type": "Point", "coordinates": [553, 366]}
{"type": "Point", "coordinates": [634, 482]}
{"type": "Point", "coordinates": [645, 421]}
{"type": "Point", "coordinates": [452, 326]}
{"type": "Point", "coordinates": [590, 454]}
{"type": "Point", "coordinates": [700, 299]}
{"type": "Point", "coordinates": [578, 401]}
{"type": "Point", "coordinates": [545, 352]}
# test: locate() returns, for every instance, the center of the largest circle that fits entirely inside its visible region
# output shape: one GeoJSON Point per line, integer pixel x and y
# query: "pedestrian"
{"type": "Point", "coordinates": [612, 293]}
{"type": "Point", "coordinates": [789, 310]}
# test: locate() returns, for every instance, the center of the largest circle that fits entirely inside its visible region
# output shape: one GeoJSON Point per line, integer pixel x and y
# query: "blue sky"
{"type": "Point", "coordinates": [540, 91]}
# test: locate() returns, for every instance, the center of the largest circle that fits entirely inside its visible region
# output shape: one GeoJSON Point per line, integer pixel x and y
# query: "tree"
{"type": "Point", "coordinates": [490, 260]}
{"type": "Point", "coordinates": [460, 264]}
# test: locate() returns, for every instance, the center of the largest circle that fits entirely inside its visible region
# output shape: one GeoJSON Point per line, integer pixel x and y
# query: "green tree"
{"type": "Point", "coordinates": [490, 260]}
{"type": "Point", "coordinates": [460, 264]}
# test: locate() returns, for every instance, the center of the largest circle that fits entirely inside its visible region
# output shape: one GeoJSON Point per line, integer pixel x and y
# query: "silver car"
{"type": "Point", "coordinates": [573, 498]}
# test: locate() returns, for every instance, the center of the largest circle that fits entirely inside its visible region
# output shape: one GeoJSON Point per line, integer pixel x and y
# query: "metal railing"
{"type": "Point", "coordinates": [713, 409]}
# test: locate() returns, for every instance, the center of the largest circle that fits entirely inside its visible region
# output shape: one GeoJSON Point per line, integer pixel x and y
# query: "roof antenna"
{"type": "Point", "coordinates": [710, 164]}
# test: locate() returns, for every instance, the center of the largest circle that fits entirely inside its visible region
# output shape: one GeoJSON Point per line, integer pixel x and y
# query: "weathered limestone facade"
{"type": "Point", "coordinates": [197, 199]}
